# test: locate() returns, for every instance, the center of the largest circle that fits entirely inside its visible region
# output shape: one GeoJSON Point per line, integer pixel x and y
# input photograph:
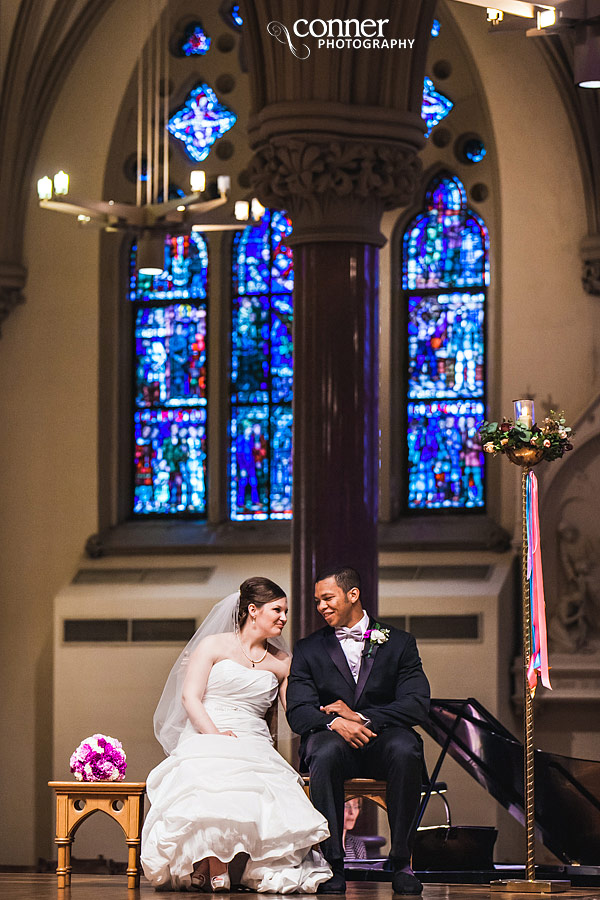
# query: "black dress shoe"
{"type": "Point", "coordinates": [406, 883]}
{"type": "Point", "coordinates": [335, 885]}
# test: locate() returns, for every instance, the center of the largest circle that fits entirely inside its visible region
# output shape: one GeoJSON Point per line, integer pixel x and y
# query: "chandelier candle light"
{"type": "Point", "coordinates": [526, 444]}
{"type": "Point", "coordinates": [154, 214]}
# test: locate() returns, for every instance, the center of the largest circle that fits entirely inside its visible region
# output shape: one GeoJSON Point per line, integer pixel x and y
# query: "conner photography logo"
{"type": "Point", "coordinates": [337, 34]}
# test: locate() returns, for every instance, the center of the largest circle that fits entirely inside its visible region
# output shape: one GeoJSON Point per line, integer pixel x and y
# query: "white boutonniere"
{"type": "Point", "coordinates": [376, 635]}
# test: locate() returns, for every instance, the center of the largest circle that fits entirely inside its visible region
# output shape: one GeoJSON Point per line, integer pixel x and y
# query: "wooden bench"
{"type": "Point", "coordinates": [123, 801]}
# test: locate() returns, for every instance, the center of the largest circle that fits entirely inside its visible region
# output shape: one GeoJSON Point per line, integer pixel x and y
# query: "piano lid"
{"type": "Point", "coordinates": [567, 790]}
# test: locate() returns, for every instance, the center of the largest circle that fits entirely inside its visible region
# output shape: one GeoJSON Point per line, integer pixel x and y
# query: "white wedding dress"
{"type": "Point", "coordinates": [217, 795]}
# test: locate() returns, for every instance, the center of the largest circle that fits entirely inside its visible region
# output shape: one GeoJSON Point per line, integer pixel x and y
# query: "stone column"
{"type": "Point", "coordinates": [336, 135]}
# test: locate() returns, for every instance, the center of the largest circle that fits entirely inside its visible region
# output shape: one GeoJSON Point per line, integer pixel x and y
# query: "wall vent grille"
{"type": "Point", "coordinates": [131, 631]}
{"type": "Point", "coordinates": [434, 573]}
{"type": "Point", "coordinates": [177, 575]}
{"type": "Point", "coordinates": [439, 628]}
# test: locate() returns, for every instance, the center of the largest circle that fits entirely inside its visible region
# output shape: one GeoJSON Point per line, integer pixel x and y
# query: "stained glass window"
{"type": "Point", "coordinates": [195, 42]}
{"type": "Point", "coordinates": [447, 245]}
{"type": "Point", "coordinates": [474, 150]}
{"type": "Point", "coordinates": [231, 13]}
{"type": "Point", "coordinates": [444, 455]}
{"type": "Point", "coordinates": [200, 122]}
{"type": "Point", "coordinates": [436, 27]}
{"type": "Point", "coordinates": [260, 485]}
{"type": "Point", "coordinates": [445, 276]}
{"type": "Point", "coordinates": [445, 345]}
{"type": "Point", "coordinates": [435, 105]}
{"type": "Point", "coordinates": [169, 417]}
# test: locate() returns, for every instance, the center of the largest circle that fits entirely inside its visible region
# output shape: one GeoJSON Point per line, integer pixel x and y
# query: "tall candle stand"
{"type": "Point", "coordinates": [526, 458]}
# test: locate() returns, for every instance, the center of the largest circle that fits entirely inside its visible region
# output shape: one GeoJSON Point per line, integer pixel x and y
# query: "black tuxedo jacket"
{"type": "Point", "coordinates": [392, 689]}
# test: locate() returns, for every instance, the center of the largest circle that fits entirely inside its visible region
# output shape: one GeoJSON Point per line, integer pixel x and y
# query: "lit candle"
{"type": "Point", "coordinates": [61, 183]}
{"type": "Point", "coordinates": [241, 210]}
{"type": "Point", "coordinates": [257, 209]}
{"type": "Point", "coordinates": [198, 181]}
{"type": "Point", "coordinates": [223, 184]}
{"type": "Point", "coordinates": [524, 414]}
{"type": "Point", "coordinates": [44, 187]}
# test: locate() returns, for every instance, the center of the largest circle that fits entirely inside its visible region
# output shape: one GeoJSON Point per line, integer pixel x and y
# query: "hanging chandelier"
{"type": "Point", "coordinates": [154, 214]}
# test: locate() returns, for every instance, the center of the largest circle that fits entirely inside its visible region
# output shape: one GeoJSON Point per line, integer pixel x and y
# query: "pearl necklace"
{"type": "Point", "coordinates": [249, 658]}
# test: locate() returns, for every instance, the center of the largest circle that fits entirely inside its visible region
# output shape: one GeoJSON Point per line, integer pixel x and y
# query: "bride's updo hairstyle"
{"type": "Point", "coordinates": [258, 591]}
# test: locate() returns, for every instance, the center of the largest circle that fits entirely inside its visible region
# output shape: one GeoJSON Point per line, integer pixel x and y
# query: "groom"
{"type": "Point", "coordinates": [355, 691]}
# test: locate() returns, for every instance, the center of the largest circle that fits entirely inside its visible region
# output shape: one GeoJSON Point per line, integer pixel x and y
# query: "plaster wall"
{"type": "Point", "coordinates": [48, 404]}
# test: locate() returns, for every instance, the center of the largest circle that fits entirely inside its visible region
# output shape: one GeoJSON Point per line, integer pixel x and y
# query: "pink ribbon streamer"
{"type": "Point", "coordinates": [538, 662]}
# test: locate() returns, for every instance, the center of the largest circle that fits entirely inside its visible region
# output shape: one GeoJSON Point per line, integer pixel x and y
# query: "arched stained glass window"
{"type": "Point", "coordinates": [445, 277]}
{"type": "Point", "coordinates": [169, 416]}
{"type": "Point", "coordinates": [260, 484]}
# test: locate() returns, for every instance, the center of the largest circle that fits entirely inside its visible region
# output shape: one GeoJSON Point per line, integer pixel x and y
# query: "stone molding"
{"type": "Point", "coordinates": [590, 258]}
{"type": "Point", "coordinates": [12, 283]}
{"type": "Point", "coordinates": [337, 189]}
{"type": "Point", "coordinates": [570, 544]}
{"type": "Point", "coordinates": [575, 679]}
{"type": "Point", "coordinates": [331, 120]}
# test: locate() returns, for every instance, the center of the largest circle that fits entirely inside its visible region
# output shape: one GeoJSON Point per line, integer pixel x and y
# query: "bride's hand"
{"type": "Point", "coordinates": [229, 733]}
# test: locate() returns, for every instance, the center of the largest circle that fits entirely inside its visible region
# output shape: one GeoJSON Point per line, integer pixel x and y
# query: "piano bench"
{"type": "Point", "coordinates": [371, 789]}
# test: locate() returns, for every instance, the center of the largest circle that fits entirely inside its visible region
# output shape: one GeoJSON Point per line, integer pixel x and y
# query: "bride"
{"type": "Point", "coordinates": [223, 789]}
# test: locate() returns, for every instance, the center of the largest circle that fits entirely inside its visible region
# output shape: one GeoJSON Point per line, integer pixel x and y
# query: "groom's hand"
{"type": "Point", "coordinates": [355, 734]}
{"type": "Point", "coordinates": [339, 708]}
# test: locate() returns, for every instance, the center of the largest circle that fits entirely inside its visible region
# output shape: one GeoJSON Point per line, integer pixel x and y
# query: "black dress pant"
{"type": "Point", "coordinates": [394, 756]}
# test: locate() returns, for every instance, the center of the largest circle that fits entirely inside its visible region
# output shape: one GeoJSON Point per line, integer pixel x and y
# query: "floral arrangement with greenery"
{"type": "Point", "coordinates": [552, 436]}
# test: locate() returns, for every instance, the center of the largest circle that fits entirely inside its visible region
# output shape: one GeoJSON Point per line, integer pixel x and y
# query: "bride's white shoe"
{"type": "Point", "coordinates": [220, 883]}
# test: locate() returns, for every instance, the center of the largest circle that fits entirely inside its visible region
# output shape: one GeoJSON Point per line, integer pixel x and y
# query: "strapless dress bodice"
{"type": "Point", "coordinates": [237, 698]}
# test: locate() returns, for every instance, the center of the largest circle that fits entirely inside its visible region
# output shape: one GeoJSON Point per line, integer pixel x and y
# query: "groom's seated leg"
{"type": "Point", "coordinates": [396, 756]}
{"type": "Point", "coordinates": [331, 760]}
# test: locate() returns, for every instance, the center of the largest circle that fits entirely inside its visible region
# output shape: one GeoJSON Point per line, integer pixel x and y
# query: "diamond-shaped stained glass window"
{"type": "Point", "coordinates": [200, 121]}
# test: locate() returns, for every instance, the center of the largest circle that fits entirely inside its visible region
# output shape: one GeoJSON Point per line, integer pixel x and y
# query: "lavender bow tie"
{"type": "Point", "coordinates": [355, 633]}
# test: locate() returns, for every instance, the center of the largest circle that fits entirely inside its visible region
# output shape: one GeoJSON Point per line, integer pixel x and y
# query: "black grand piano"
{"type": "Point", "coordinates": [567, 790]}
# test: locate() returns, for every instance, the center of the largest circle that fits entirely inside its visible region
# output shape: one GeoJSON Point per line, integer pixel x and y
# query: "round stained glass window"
{"type": "Point", "coordinates": [473, 150]}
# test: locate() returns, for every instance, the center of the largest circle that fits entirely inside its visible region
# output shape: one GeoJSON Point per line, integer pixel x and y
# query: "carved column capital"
{"type": "Point", "coordinates": [12, 282]}
{"type": "Point", "coordinates": [590, 258]}
{"type": "Point", "coordinates": [335, 189]}
{"type": "Point", "coordinates": [336, 130]}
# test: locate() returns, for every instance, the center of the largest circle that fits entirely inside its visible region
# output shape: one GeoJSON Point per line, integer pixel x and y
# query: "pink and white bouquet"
{"type": "Point", "coordinates": [99, 758]}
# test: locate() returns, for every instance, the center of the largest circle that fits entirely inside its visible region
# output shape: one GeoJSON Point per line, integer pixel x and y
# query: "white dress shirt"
{"type": "Point", "coordinates": [352, 643]}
